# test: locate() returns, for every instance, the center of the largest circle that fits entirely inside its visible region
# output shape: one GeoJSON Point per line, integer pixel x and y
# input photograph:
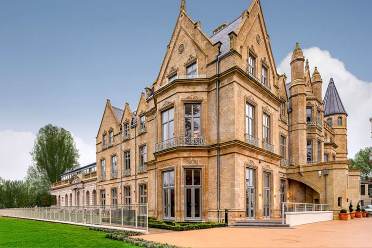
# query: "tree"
{"type": "Point", "coordinates": [362, 161]}
{"type": "Point", "coordinates": [54, 152]}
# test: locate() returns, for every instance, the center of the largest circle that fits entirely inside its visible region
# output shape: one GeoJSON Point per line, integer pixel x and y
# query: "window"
{"type": "Point", "coordinates": [249, 120]}
{"type": "Point", "coordinates": [283, 109]}
{"type": "Point", "coordinates": [127, 198]}
{"type": "Point", "coordinates": [339, 201]}
{"type": "Point", "coordinates": [283, 146]}
{"type": "Point", "coordinates": [114, 166]}
{"type": "Point", "coordinates": [143, 193]}
{"type": "Point", "coordinates": [363, 189]}
{"type": "Point", "coordinates": [103, 197]}
{"type": "Point", "coordinates": [103, 168]}
{"type": "Point", "coordinates": [193, 193]}
{"type": "Point", "coordinates": [319, 151]}
{"type": "Point", "coordinates": [142, 123]}
{"type": "Point", "coordinates": [319, 117]}
{"type": "Point", "coordinates": [266, 128]}
{"type": "Point", "coordinates": [309, 114]}
{"type": "Point", "coordinates": [192, 70]}
{"type": "Point", "coordinates": [329, 122]}
{"type": "Point", "coordinates": [126, 130]}
{"type": "Point", "coordinates": [114, 196]}
{"type": "Point", "coordinates": [339, 121]}
{"type": "Point", "coordinates": [370, 190]}
{"type": "Point", "coordinates": [111, 137]}
{"type": "Point", "coordinates": [309, 151]}
{"type": "Point", "coordinates": [168, 195]}
{"type": "Point", "coordinates": [251, 65]}
{"type": "Point", "coordinates": [127, 161]}
{"type": "Point", "coordinates": [192, 121]}
{"type": "Point", "coordinates": [167, 123]}
{"type": "Point", "coordinates": [172, 77]}
{"type": "Point", "coordinates": [142, 158]}
{"type": "Point", "coordinates": [264, 76]}
{"type": "Point", "coordinates": [104, 140]}
{"type": "Point", "coordinates": [326, 157]}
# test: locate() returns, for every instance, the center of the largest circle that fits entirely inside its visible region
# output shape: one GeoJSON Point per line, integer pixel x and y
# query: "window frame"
{"type": "Point", "coordinates": [194, 72]}
{"type": "Point", "coordinates": [169, 120]}
{"type": "Point", "coordinates": [266, 127]}
{"type": "Point", "coordinates": [283, 146]}
{"type": "Point", "coordinates": [265, 76]}
{"type": "Point", "coordinates": [309, 150]}
{"type": "Point", "coordinates": [193, 134]}
{"type": "Point", "coordinates": [127, 195]}
{"type": "Point", "coordinates": [142, 151]}
{"type": "Point", "coordinates": [250, 119]}
{"type": "Point", "coordinates": [252, 67]}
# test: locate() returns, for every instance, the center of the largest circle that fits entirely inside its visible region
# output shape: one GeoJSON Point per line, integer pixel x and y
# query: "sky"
{"type": "Point", "coordinates": [61, 60]}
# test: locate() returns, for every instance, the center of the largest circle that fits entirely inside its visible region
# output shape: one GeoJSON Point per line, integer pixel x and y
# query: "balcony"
{"type": "Point", "coordinates": [142, 130]}
{"type": "Point", "coordinates": [284, 162]}
{"type": "Point", "coordinates": [251, 140]}
{"type": "Point", "coordinates": [114, 174]}
{"type": "Point", "coordinates": [127, 173]}
{"type": "Point", "coordinates": [179, 142]}
{"type": "Point", "coordinates": [126, 137]}
{"type": "Point", "coordinates": [142, 168]}
{"type": "Point", "coordinates": [102, 177]}
{"type": "Point", "coordinates": [90, 175]}
{"type": "Point", "coordinates": [183, 77]}
{"type": "Point", "coordinates": [267, 146]}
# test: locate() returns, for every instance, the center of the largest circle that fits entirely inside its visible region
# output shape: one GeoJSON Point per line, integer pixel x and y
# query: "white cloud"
{"type": "Point", "coordinates": [15, 149]}
{"type": "Point", "coordinates": [355, 94]}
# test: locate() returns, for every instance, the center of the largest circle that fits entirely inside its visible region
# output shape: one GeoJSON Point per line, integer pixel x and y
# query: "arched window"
{"type": "Point", "coordinates": [329, 122]}
{"type": "Point", "coordinates": [339, 121]}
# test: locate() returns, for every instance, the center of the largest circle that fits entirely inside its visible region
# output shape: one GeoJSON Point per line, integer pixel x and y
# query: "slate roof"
{"type": "Point", "coordinates": [332, 101]}
{"type": "Point", "coordinates": [223, 35]}
{"type": "Point", "coordinates": [118, 112]}
{"type": "Point", "coordinates": [92, 165]}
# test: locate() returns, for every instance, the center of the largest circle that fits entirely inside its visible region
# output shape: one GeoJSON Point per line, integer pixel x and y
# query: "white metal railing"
{"type": "Point", "coordinates": [134, 216]}
{"type": "Point", "coordinates": [250, 139]}
{"type": "Point", "coordinates": [295, 207]}
{"type": "Point", "coordinates": [178, 142]}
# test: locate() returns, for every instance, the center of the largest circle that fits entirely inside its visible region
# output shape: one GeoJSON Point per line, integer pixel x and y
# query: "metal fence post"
{"type": "Point", "coordinates": [110, 215]}
{"type": "Point", "coordinates": [135, 216]}
{"type": "Point", "coordinates": [100, 216]}
{"type": "Point", "coordinates": [283, 213]}
{"type": "Point", "coordinates": [122, 216]}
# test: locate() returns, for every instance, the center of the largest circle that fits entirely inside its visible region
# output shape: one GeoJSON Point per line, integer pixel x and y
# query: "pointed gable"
{"type": "Point", "coordinates": [127, 115]}
{"type": "Point", "coordinates": [142, 106]}
{"type": "Point", "coordinates": [188, 43]}
{"type": "Point", "coordinates": [332, 101]}
{"type": "Point", "coordinates": [110, 119]}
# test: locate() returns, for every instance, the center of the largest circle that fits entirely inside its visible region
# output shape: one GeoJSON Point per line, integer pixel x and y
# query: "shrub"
{"type": "Point", "coordinates": [351, 208]}
{"type": "Point", "coordinates": [182, 226]}
{"type": "Point", "coordinates": [343, 211]}
{"type": "Point", "coordinates": [363, 210]}
{"type": "Point", "coordinates": [137, 241]}
{"type": "Point", "coordinates": [358, 207]}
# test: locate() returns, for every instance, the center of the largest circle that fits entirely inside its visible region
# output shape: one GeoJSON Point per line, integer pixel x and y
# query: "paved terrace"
{"type": "Point", "coordinates": [353, 233]}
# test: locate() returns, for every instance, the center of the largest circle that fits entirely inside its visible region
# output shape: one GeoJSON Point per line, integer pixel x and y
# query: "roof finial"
{"type": "Point", "coordinates": [183, 5]}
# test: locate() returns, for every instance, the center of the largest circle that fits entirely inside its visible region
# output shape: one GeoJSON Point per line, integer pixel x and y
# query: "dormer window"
{"type": "Point", "coordinates": [172, 77]}
{"type": "Point", "coordinates": [339, 121]}
{"type": "Point", "coordinates": [192, 70]}
{"type": "Point", "coordinates": [264, 76]}
{"type": "Point", "coordinates": [252, 65]}
{"type": "Point", "coordinates": [111, 137]}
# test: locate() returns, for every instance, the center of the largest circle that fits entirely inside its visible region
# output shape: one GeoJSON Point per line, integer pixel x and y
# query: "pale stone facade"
{"type": "Point", "coordinates": [220, 129]}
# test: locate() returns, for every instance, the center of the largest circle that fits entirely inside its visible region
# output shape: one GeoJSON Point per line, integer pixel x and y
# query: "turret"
{"type": "Point", "coordinates": [317, 82]}
{"type": "Point", "coordinates": [298, 108]}
{"type": "Point", "coordinates": [335, 114]}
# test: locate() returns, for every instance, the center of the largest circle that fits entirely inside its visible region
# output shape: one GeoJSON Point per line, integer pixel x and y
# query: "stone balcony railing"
{"type": "Point", "coordinates": [90, 175]}
{"type": "Point", "coordinates": [114, 174]}
{"type": "Point", "coordinates": [101, 178]}
{"type": "Point", "coordinates": [142, 130]}
{"type": "Point", "coordinates": [284, 162]}
{"type": "Point", "coordinates": [251, 140]}
{"type": "Point", "coordinates": [267, 146]}
{"type": "Point", "coordinates": [179, 142]}
{"type": "Point", "coordinates": [126, 137]}
{"type": "Point", "coordinates": [127, 173]}
{"type": "Point", "coordinates": [183, 77]}
{"type": "Point", "coordinates": [142, 168]}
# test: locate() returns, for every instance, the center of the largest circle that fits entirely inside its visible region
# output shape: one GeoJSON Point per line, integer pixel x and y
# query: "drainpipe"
{"type": "Point", "coordinates": [218, 138]}
{"type": "Point", "coordinates": [135, 160]}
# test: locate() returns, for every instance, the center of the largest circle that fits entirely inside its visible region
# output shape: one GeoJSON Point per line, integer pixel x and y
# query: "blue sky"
{"type": "Point", "coordinates": [60, 60]}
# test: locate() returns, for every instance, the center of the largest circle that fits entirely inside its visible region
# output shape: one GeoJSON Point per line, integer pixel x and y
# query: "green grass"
{"type": "Point", "coordinates": [27, 233]}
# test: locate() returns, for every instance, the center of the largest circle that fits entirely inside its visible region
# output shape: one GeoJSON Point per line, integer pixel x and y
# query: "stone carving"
{"type": "Point", "coordinates": [258, 39]}
{"type": "Point", "coordinates": [181, 48]}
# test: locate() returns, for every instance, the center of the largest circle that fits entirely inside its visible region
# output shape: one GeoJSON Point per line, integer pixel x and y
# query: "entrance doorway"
{"type": "Point", "coordinates": [193, 194]}
{"type": "Point", "coordinates": [282, 194]}
{"type": "Point", "coordinates": [250, 182]}
{"type": "Point", "coordinates": [267, 194]}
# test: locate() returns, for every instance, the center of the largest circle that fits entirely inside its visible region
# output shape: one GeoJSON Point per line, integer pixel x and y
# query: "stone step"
{"type": "Point", "coordinates": [260, 223]}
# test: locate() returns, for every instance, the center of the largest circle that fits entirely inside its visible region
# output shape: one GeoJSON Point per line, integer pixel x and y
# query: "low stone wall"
{"type": "Point", "coordinates": [300, 218]}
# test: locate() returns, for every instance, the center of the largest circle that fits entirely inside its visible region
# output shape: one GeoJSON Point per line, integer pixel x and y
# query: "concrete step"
{"type": "Point", "coordinates": [260, 223]}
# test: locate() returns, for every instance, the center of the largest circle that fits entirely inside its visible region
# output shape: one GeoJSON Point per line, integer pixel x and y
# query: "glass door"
{"type": "Point", "coordinates": [267, 195]}
{"type": "Point", "coordinates": [193, 194]}
{"type": "Point", "coordinates": [282, 194]}
{"type": "Point", "coordinates": [250, 193]}
{"type": "Point", "coordinates": [168, 194]}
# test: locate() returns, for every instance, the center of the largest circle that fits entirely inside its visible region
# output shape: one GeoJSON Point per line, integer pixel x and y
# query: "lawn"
{"type": "Point", "coordinates": [27, 233]}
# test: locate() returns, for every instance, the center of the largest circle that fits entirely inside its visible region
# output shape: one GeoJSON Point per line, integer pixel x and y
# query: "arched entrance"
{"type": "Point", "coordinates": [87, 198]}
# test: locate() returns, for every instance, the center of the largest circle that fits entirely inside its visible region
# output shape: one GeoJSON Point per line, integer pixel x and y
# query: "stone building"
{"type": "Point", "coordinates": [220, 129]}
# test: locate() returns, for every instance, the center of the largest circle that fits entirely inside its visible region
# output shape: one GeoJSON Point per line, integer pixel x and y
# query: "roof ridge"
{"type": "Point", "coordinates": [332, 101]}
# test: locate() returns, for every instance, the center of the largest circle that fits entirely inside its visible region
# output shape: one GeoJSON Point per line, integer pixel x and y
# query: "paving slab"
{"type": "Point", "coordinates": [353, 233]}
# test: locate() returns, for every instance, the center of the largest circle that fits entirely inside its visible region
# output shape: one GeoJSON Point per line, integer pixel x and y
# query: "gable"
{"type": "Point", "coordinates": [253, 37]}
{"type": "Point", "coordinates": [142, 106]}
{"type": "Point", "coordinates": [188, 44]}
{"type": "Point", "coordinates": [109, 120]}
{"type": "Point", "coordinates": [127, 115]}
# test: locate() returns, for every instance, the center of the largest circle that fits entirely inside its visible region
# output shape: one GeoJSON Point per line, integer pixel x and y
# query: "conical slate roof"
{"type": "Point", "coordinates": [332, 101]}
